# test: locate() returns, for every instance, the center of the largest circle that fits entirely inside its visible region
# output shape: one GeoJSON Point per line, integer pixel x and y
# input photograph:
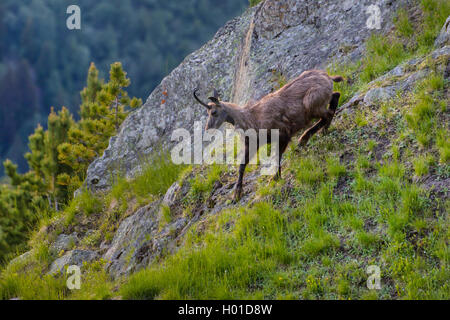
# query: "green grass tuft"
{"type": "Point", "coordinates": [158, 174]}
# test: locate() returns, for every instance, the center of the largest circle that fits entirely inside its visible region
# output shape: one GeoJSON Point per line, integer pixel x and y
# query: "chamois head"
{"type": "Point", "coordinates": [216, 111]}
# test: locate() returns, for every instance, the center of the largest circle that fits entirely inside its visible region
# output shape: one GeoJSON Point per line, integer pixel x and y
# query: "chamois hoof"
{"type": "Point", "coordinates": [275, 177]}
{"type": "Point", "coordinates": [302, 143]}
{"type": "Point", "coordinates": [237, 194]}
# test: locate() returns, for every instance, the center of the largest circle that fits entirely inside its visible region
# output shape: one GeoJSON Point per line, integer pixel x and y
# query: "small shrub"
{"type": "Point", "coordinates": [335, 168]}
{"type": "Point", "coordinates": [443, 145]}
{"type": "Point", "coordinates": [435, 12]}
{"type": "Point", "coordinates": [392, 170]}
{"type": "Point", "coordinates": [158, 174]}
{"type": "Point", "coordinates": [402, 24]}
{"type": "Point", "coordinates": [254, 2]}
{"type": "Point", "coordinates": [88, 203]}
{"type": "Point", "coordinates": [202, 185]}
{"type": "Point", "coordinates": [382, 54]}
{"type": "Point", "coordinates": [421, 166]}
{"type": "Point", "coordinates": [367, 240]}
{"type": "Point", "coordinates": [309, 171]}
{"type": "Point", "coordinates": [166, 215]}
{"type": "Point", "coordinates": [361, 119]}
{"type": "Point", "coordinates": [322, 243]}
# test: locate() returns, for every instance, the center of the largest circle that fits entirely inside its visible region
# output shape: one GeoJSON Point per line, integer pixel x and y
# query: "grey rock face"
{"type": "Point", "coordinates": [22, 258]}
{"type": "Point", "coordinates": [444, 35]}
{"type": "Point", "coordinates": [129, 238]}
{"type": "Point", "coordinates": [289, 36]}
{"type": "Point", "coordinates": [377, 95]}
{"type": "Point", "coordinates": [74, 257]}
{"type": "Point", "coordinates": [276, 16]}
{"type": "Point", "coordinates": [169, 197]}
{"type": "Point", "coordinates": [139, 239]}
{"type": "Point", "coordinates": [64, 242]}
{"type": "Point", "coordinates": [154, 122]}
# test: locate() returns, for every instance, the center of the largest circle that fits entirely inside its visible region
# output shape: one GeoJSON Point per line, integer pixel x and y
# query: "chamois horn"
{"type": "Point", "coordinates": [200, 101]}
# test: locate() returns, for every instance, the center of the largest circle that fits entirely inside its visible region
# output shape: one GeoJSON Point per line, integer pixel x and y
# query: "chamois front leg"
{"type": "Point", "coordinates": [238, 188]}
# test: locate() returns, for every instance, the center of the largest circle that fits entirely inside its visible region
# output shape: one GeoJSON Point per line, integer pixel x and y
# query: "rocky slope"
{"type": "Point", "coordinates": [139, 240]}
{"type": "Point", "coordinates": [284, 36]}
{"type": "Point", "coordinates": [372, 140]}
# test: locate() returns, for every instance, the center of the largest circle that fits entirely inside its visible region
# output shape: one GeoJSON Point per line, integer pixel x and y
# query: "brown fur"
{"type": "Point", "coordinates": [289, 109]}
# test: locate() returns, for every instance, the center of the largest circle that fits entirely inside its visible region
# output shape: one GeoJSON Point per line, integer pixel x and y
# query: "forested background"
{"type": "Point", "coordinates": [43, 64]}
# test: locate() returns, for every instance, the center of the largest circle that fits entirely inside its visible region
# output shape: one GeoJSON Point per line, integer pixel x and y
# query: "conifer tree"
{"type": "Point", "coordinates": [56, 172]}
{"type": "Point", "coordinates": [36, 144]}
{"type": "Point", "coordinates": [43, 157]}
{"type": "Point", "coordinates": [103, 109]}
{"type": "Point", "coordinates": [19, 204]}
{"type": "Point", "coordinates": [59, 156]}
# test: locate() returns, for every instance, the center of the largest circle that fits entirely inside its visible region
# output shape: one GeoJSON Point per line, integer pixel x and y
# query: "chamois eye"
{"type": "Point", "coordinates": [214, 113]}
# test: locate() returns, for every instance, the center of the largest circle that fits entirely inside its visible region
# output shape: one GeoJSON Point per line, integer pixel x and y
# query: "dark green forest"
{"type": "Point", "coordinates": [43, 64]}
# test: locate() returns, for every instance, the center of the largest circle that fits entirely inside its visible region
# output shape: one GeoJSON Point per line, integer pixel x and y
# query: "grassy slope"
{"type": "Point", "coordinates": [355, 197]}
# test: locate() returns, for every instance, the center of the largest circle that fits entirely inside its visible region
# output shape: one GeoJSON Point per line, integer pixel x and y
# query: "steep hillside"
{"type": "Point", "coordinates": [373, 190]}
{"type": "Point", "coordinates": [276, 39]}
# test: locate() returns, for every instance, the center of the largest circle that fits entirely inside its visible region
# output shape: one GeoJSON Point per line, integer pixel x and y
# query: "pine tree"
{"type": "Point", "coordinates": [36, 155]}
{"type": "Point", "coordinates": [59, 156]}
{"type": "Point", "coordinates": [103, 109]}
{"type": "Point", "coordinates": [43, 157]}
{"type": "Point", "coordinates": [93, 87]}
{"type": "Point", "coordinates": [19, 203]}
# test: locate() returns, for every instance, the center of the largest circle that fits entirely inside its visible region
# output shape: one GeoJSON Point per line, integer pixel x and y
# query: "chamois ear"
{"type": "Point", "coordinates": [215, 97]}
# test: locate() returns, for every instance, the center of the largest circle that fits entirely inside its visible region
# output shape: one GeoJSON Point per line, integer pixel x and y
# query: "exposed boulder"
{"type": "Point", "coordinates": [74, 257]}
{"type": "Point", "coordinates": [129, 238]}
{"type": "Point", "coordinates": [398, 81]}
{"type": "Point", "coordinates": [169, 197]}
{"type": "Point", "coordinates": [139, 239]}
{"type": "Point", "coordinates": [22, 258]}
{"type": "Point", "coordinates": [376, 95]}
{"type": "Point", "coordinates": [64, 242]}
{"type": "Point", "coordinates": [444, 35]}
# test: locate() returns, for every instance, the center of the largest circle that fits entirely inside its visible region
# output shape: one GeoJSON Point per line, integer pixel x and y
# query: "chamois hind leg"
{"type": "Point", "coordinates": [324, 121]}
{"type": "Point", "coordinates": [332, 109]}
{"type": "Point", "coordinates": [310, 132]}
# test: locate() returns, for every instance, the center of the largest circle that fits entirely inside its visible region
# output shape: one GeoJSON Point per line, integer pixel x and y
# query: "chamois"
{"type": "Point", "coordinates": [289, 109]}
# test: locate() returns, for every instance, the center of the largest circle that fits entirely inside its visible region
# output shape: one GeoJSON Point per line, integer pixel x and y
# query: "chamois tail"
{"type": "Point", "coordinates": [337, 78]}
